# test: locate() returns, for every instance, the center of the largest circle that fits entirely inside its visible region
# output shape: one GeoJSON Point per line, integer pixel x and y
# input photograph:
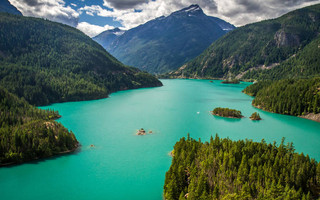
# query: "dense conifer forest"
{"type": "Point", "coordinates": [46, 62]}
{"type": "Point", "coordinates": [226, 169]}
{"type": "Point", "coordinates": [289, 96]}
{"type": "Point", "coordinates": [29, 133]}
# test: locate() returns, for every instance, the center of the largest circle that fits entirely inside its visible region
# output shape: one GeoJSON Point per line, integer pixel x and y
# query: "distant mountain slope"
{"type": "Point", "coordinates": [107, 37]}
{"type": "Point", "coordinates": [47, 62]}
{"type": "Point", "coordinates": [7, 7]}
{"type": "Point", "coordinates": [304, 64]}
{"type": "Point", "coordinates": [262, 45]}
{"type": "Point", "coordinates": [28, 133]}
{"type": "Point", "coordinates": [165, 43]}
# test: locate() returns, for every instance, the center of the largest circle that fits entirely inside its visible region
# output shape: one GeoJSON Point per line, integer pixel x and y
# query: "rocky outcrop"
{"type": "Point", "coordinates": [141, 132]}
{"type": "Point", "coordinates": [312, 116]}
{"type": "Point", "coordinates": [284, 39]}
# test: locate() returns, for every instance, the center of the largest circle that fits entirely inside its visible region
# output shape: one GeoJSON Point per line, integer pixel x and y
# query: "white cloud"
{"type": "Point", "coordinates": [92, 30]}
{"type": "Point", "coordinates": [237, 12]}
{"type": "Point", "coordinates": [54, 10]}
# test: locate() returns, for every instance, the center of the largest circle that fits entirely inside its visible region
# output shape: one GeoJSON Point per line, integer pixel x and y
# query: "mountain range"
{"type": "Point", "coordinates": [165, 43]}
{"type": "Point", "coordinates": [285, 47]}
{"type": "Point", "coordinates": [5, 6]}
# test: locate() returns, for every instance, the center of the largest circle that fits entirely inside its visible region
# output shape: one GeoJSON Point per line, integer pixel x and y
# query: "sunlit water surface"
{"type": "Point", "coordinates": [122, 165]}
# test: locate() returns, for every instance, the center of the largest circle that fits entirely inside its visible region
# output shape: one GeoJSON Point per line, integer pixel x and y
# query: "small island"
{"type": "Point", "coordinates": [231, 81]}
{"type": "Point", "coordinates": [227, 112]}
{"type": "Point", "coordinates": [255, 116]}
{"type": "Point", "coordinates": [141, 131]}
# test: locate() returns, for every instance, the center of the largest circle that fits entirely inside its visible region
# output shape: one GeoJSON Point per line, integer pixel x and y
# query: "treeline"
{"type": "Point", "coordinates": [28, 133]}
{"type": "Point", "coordinates": [290, 96]}
{"type": "Point", "coordinates": [227, 112]}
{"type": "Point", "coordinates": [253, 89]}
{"type": "Point", "coordinates": [226, 169]}
{"type": "Point", "coordinates": [46, 62]}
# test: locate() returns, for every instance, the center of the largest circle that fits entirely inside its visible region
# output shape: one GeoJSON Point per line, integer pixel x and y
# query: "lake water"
{"type": "Point", "coordinates": [123, 165]}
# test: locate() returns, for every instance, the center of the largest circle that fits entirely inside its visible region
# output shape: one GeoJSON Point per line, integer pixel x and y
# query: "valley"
{"type": "Point", "coordinates": [84, 114]}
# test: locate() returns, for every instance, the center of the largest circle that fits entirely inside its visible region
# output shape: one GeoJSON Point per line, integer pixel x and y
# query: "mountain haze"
{"type": "Point", "coordinates": [107, 37]}
{"type": "Point", "coordinates": [288, 46]}
{"type": "Point", "coordinates": [165, 43]}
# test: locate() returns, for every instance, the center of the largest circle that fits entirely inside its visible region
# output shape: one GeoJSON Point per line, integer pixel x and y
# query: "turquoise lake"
{"type": "Point", "coordinates": [122, 165]}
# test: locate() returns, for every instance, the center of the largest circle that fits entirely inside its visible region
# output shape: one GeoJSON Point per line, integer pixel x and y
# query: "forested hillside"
{"type": "Point", "coordinates": [47, 62]}
{"type": "Point", "coordinates": [28, 133]}
{"type": "Point", "coordinates": [289, 96]}
{"type": "Point", "coordinates": [279, 48]}
{"type": "Point", "coordinates": [304, 64]}
{"type": "Point", "coordinates": [226, 169]}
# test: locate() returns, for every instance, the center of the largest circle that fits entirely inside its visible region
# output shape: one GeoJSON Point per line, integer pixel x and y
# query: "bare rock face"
{"type": "Point", "coordinates": [312, 116]}
{"type": "Point", "coordinates": [141, 132]}
{"type": "Point", "coordinates": [283, 38]}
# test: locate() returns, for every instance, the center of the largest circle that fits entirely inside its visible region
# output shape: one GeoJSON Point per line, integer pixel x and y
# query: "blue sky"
{"type": "Point", "coordinates": [94, 16]}
{"type": "Point", "coordinates": [96, 20]}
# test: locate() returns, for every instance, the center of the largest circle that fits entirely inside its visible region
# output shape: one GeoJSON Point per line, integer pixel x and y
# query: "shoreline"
{"type": "Point", "coordinates": [309, 116]}
{"type": "Point", "coordinates": [94, 99]}
{"type": "Point", "coordinates": [205, 78]}
{"type": "Point", "coordinates": [42, 158]}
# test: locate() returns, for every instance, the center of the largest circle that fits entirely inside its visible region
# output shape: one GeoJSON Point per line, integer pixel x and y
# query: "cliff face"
{"type": "Point", "coordinates": [285, 39]}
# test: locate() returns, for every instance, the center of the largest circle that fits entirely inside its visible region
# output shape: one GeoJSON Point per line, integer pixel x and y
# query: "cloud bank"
{"type": "Point", "coordinates": [92, 30]}
{"type": "Point", "coordinates": [54, 10]}
{"type": "Point", "coordinates": [131, 13]}
{"type": "Point", "coordinates": [237, 12]}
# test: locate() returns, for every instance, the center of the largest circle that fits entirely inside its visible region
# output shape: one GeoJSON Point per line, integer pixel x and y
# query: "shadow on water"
{"type": "Point", "coordinates": [41, 160]}
{"type": "Point", "coordinates": [256, 121]}
{"type": "Point", "coordinates": [233, 120]}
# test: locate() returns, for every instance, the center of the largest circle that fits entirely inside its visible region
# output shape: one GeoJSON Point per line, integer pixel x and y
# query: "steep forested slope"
{"type": "Point", "coordinates": [304, 64]}
{"type": "Point", "coordinates": [47, 62]}
{"type": "Point", "coordinates": [28, 133]}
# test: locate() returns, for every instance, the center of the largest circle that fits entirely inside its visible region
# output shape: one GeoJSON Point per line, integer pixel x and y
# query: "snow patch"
{"type": "Point", "coordinates": [118, 33]}
{"type": "Point", "coordinates": [195, 8]}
